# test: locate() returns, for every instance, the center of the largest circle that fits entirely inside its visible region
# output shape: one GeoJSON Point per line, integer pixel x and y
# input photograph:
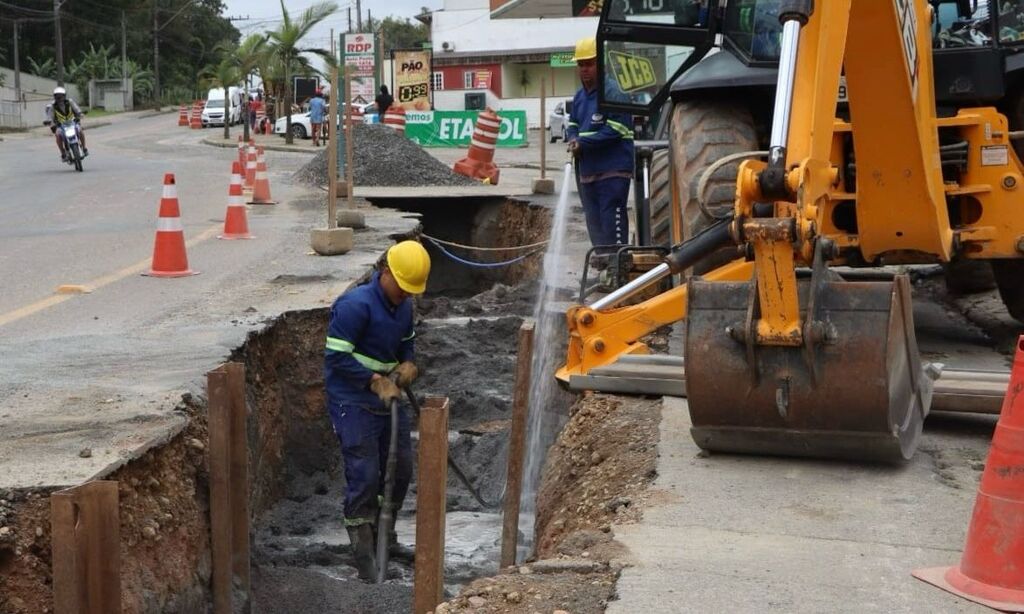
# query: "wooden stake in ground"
{"type": "Point", "coordinates": [86, 541]}
{"type": "Point", "coordinates": [349, 136]}
{"type": "Point", "coordinates": [332, 152]}
{"type": "Point", "coordinates": [229, 489]}
{"type": "Point", "coordinates": [517, 446]}
{"type": "Point", "coordinates": [431, 497]}
{"type": "Point", "coordinates": [543, 130]}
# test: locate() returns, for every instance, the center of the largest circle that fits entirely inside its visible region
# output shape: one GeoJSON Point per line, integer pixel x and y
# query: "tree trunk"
{"type": "Point", "coordinates": [227, 113]}
{"type": "Point", "coordinates": [287, 104]}
{"type": "Point", "coordinates": [245, 113]}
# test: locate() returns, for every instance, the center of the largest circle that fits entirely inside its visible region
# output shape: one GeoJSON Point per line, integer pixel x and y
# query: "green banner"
{"type": "Point", "coordinates": [563, 60]}
{"type": "Point", "coordinates": [455, 128]}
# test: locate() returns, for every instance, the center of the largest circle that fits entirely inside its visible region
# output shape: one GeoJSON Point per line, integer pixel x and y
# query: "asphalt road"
{"type": "Point", "coordinates": [104, 370]}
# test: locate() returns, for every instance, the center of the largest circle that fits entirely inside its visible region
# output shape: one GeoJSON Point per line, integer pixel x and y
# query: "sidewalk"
{"type": "Point", "coordinates": [270, 142]}
{"type": "Point", "coordinates": [727, 533]}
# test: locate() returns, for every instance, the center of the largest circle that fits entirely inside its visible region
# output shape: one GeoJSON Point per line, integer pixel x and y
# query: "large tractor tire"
{"type": "Point", "coordinates": [661, 199]}
{"type": "Point", "coordinates": [703, 132]}
{"type": "Point", "coordinates": [966, 276]}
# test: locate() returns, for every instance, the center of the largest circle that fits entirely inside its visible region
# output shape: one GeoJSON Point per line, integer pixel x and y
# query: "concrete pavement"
{"type": "Point", "coordinates": [104, 371]}
{"type": "Point", "coordinates": [725, 533]}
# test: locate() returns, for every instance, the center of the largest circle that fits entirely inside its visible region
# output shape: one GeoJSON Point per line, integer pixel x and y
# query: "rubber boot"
{"type": "Point", "coordinates": [399, 550]}
{"type": "Point", "coordinates": [361, 538]}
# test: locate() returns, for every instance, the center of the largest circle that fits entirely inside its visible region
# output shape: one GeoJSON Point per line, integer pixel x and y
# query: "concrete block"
{"type": "Point", "coordinates": [351, 218]}
{"type": "Point", "coordinates": [543, 186]}
{"type": "Point", "coordinates": [341, 189]}
{"type": "Point", "coordinates": [331, 241]}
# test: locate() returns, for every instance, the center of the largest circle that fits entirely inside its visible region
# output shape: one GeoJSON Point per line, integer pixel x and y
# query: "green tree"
{"type": "Point", "coordinates": [286, 45]}
{"type": "Point", "coordinates": [400, 33]}
{"type": "Point", "coordinates": [248, 56]}
{"type": "Point", "coordinates": [45, 68]}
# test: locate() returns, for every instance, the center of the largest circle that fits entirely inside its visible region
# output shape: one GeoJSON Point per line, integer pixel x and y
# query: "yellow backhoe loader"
{"type": "Point", "coordinates": [784, 356]}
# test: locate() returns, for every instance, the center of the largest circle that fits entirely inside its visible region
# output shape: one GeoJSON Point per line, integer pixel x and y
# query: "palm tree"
{"type": "Point", "coordinates": [286, 40]}
{"type": "Point", "coordinates": [224, 75]}
{"type": "Point", "coordinates": [249, 55]}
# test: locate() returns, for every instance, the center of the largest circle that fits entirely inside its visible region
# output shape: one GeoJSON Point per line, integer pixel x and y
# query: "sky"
{"type": "Point", "coordinates": [266, 14]}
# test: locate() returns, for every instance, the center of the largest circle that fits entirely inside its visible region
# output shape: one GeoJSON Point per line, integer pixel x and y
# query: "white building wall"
{"type": "Point", "coordinates": [36, 93]}
{"type": "Point", "coordinates": [469, 28]}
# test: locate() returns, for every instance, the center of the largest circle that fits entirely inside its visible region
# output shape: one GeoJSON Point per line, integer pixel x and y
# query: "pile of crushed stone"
{"type": "Point", "coordinates": [382, 157]}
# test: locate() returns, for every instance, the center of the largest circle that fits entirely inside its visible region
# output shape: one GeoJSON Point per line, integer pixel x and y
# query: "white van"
{"type": "Point", "coordinates": [213, 111]}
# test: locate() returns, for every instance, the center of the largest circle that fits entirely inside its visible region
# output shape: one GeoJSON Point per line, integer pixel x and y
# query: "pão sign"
{"type": "Point", "coordinates": [455, 128]}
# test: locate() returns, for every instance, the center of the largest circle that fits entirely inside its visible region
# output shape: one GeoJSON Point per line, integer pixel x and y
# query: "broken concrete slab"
{"type": "Point", "coordinates": [331, 241]}
{"type": "Point", "coordinates": [566, 566]}
{"type": "Point", "coordinates": [544, 185]}
{"type": "Point", "coordinates": [350, 218]}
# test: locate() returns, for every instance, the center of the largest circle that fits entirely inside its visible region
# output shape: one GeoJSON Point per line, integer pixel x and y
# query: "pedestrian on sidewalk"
{"type": "Point", "coordinates": [602, 144]}
{"type": "Point", "coordinates": [383, 100]}
{"type": "Point", "coordinates": [369, 357]}
{"type": "Point", "coordinates": [317, 109]}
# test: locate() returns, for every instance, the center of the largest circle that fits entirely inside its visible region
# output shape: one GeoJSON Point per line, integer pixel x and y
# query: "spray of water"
{"type": "Point", "coordinates": [547, 357]}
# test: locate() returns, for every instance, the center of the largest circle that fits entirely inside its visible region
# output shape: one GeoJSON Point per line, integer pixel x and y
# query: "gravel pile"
{"type": "Point", "coordinates": [383, 157]}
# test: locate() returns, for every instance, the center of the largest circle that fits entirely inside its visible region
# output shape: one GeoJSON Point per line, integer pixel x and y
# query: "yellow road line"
{"type": "Point", "coordinates": [96, 284]}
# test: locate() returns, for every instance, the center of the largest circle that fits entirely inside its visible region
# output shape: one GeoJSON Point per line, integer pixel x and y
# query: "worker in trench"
{"type": "Point", "coordinates": [368, 360]}
{"type": "Point", "coordinates": [602, 144]}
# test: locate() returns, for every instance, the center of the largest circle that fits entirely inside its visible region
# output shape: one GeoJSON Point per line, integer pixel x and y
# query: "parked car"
{"type": "Point", "coordinates": [213, 110]}
{"type": "Point", "coordinates": [302, 128]}
{"type": "Point", "coordinates": [559, 119]}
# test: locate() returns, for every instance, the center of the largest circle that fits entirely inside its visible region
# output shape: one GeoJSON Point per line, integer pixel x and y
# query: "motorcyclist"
{"type": "Point", "coordinates": [61, 110]}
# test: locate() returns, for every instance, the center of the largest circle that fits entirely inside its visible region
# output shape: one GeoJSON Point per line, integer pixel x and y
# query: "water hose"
{"type": "Point", "coordinates": [451, 462]}
{"type": "Point", "coordinates": [387, 515]}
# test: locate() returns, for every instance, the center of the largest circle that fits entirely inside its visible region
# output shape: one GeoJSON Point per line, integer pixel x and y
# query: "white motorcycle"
{"type": "Point", "coordinates": [68, 134]}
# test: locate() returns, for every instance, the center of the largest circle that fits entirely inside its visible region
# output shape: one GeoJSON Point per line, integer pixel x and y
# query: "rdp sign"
{"type": "Point", "coordinates": [455, 128]}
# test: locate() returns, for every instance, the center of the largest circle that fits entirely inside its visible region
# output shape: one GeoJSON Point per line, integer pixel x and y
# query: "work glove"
{"type": "Point", "coordinates": [385, 389]}
{"type": "Point", "coordinates": [405, 374]}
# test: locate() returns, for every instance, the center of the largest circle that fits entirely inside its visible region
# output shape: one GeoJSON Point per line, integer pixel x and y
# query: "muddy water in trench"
{"type": "Point", "coordinates": [466, 349]}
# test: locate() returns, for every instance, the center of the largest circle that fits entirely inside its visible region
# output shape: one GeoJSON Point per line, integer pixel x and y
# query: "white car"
{"type": "Point", "coordinates": [559, 119]}
{"type": "Point", "coordinates": [302, 128]}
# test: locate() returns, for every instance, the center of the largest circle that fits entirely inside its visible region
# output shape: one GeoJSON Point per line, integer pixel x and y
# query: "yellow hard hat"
{"type": "Point", "coordinates": [586, 49]}
{"type": "Point", "coordinates": [410, 264]}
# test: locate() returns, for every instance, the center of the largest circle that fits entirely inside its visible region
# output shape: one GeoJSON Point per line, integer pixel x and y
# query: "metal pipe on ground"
{"type": "Point", "coordinates": [517, 445]}
{"type": "Point", "coordinates": [431, 498]}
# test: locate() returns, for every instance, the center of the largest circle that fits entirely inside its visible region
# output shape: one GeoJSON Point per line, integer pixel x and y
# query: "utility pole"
{"type": "Point", "coordinates": [60, 43]}
{"type": "Point", "coordinates": [124, 60]}
{"type": "Point", "coordinates": [156, 57]}
{"type": "Point", "coordinates": [359, 15]}
{"type": "Point", "coordinates": [17, 65]}
{"type": "Point", "coordinates": [349, 22]}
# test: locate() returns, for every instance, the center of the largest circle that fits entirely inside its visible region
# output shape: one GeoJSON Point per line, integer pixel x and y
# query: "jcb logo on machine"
{"type": "Point", "coordinates": [908, 30]}
{"type": "Point", "coordinates": [633, 72]}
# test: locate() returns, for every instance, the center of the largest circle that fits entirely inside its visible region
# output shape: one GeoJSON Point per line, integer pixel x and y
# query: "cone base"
{"type": "Point", "coordinates": [232, 237]}
{"type": "Point", "coordinates": [951, 579]}
{"type": "Point", "coordinates": [184, 273]}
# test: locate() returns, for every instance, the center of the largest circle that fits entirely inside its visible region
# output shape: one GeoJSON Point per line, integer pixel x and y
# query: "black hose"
{"type": "Point", "coordinates": [451, 462]}
{"type": "Point", "coordinates": [387, 516]}
{"type": "Point", "coordinates": [687, 253]}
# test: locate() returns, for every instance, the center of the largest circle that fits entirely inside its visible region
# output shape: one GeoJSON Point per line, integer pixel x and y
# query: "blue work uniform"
{"type": "Point", "coordinates": [317, 109]}
{"type": "Point", "coordinates": [367, 335]}
{"type": "Point", "coordinates": [605, 167]}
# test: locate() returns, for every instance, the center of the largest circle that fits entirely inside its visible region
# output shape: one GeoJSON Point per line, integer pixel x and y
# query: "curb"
{"type": "Point", "coordinates": [156, 113]}
{"type": "Point", "coordinates": [219, 142]}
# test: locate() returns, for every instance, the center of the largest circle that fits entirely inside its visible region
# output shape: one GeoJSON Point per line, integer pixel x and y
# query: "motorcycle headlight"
{"type": "Point", "coordinates": [70, 130]}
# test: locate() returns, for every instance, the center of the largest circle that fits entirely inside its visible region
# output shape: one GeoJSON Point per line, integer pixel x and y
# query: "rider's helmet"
{"type": "Point", "coordinates": [59, 93]}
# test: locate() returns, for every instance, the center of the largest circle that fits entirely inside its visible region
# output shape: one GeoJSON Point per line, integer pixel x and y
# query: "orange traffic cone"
{"type": "Point", "coordinates": [394, 118]}
{"type": "Point", "coordinates": [250, 167]}
{"type": "Point", "coordinates": [479, 162]}
{"type": "Point", "coordinates": [169, 257]}
{"type": "Point", "coordinates": [236, 225]}
{"type": "Point", "coordinates": [261, 187]}
{"type": "Point", "coordinates": [991, 571]}
{"type": "Point", "coordinates": [241, 152]}
{"type": "Point", "coordinates": [183, 115]}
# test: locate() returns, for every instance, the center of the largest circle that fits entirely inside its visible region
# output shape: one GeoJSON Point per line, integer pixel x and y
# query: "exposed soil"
{"type": "Point", "coordinates": [596, 473]}
{"type": "Point", "coordinates": [165, 559]}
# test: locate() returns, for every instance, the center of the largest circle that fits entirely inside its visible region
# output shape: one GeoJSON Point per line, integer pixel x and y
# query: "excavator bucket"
{"type": "Point", "coordinates": [855, 390]}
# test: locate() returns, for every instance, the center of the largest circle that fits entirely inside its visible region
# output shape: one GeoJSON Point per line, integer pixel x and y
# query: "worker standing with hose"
{"type": "Point", "coordinates": [368, 359]}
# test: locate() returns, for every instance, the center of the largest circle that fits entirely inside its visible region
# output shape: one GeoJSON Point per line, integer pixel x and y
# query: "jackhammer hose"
{"type": "Point", "coordinates": [451, 462]}
{"type": "Point", "coordinates": [387, 515]}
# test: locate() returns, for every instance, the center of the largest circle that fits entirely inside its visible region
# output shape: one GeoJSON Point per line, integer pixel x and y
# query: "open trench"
{"type": "Point", "coordinates": [466, 338]}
